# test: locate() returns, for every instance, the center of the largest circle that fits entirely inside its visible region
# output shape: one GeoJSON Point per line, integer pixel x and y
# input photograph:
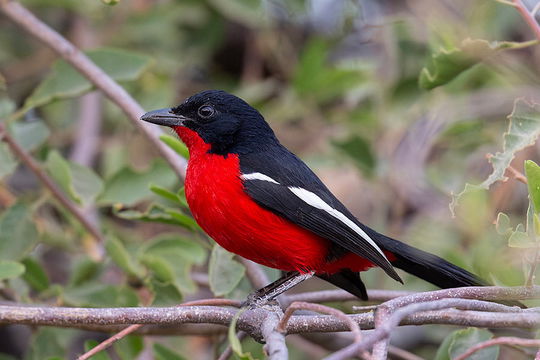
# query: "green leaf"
{"type": "Point", "coordinates": [176, 247]}
{"type": "Point", "coordinates": [163, 353]}
{"type": "Point", "coordinates": [443, 352]}
{"type": "Point", "coordinates": [164, 193]}
{"type": "Point", "coordinates": [7, 106]}
{"type": "Point", "coordinates": [532, 171]}
{"type": "Point", "coordinates": [224, 272]}
{"type": "Point", "coordinates": [102, 355]}
{"type": "Point", "coordinates": [18, 235]}
{"type": "Point", "coordinates": [502, 224]}
{"type": "Point", "coordinates": [129, 347]}
{"type": "Point", "coordinates": [175, 144]}
{"type": "Point", "coordinates": [80, 183]}
{"type": "Point", "coordinates": [317, 79]}
{"type": "Point", "coordinates": [65, 82]}
{"type": "Point", "coordinates": [233, 339]}
{"type": "Point", "coordinates": [10, 269]}
{"type": "Point", "coordinates": [85, 270]}
{"type": "Point", "coordinates": [446, 64]}
{"type": "Point", "coordinates": [520, 239]}
{"type": "Point", "coordinates": [97, 294]}
{"type": "Point", "coordinates": [35, 275]}
{"type": "Point", "coordinates": [161, 269]}
{"type": "Point", "coordinates": [165, 294]}
{"type": "Point", "coordinates": [121, 257]}
{"type": "Point", "coordinates": [160, 214]}
{"type": "Point", "coordinates": [463, 340]}
{"type": "Point", "coordinates": [46, 343]}
{"type": "Point", "coordinates": [29, 135]}
{"type": "Point", "coordinates": [8, 164]}
{"type": "Point", "coordinates": [129, 187]}
{"type": "Point", "coordinates": [523, 130]}
{"type": "Point", "coordinates": [358, 149]}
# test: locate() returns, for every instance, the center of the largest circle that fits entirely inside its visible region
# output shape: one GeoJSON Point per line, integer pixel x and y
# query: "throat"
{"type": "Point", "coordinates": [193, 141]}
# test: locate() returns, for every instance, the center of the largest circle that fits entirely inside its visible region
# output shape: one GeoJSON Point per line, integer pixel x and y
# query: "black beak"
{"type": "Point", "coordinates": [163, 117]}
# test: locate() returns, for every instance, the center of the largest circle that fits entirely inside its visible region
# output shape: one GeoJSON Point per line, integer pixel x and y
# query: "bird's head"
{"type": "Point", "coordinates": [224, 123]}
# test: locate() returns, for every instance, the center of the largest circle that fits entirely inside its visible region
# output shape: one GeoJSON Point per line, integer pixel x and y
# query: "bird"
{"type": "Point", "coordinates": [257, 199]}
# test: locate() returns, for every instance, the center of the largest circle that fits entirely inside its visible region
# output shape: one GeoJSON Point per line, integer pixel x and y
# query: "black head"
{"type": "Point", "coordinates": [222, 120]}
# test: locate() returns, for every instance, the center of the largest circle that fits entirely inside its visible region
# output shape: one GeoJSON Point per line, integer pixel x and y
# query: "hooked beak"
{"type": "Point", "coordinates": [164, 117]}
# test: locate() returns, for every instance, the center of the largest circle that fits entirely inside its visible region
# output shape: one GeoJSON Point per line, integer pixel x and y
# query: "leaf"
{"type": "Point", "coordinates": [165, 294]}
{"type": "Point", "coordinates": [65, 82]}
{"type": "Point", "coordinates": [97, 294]}
{"type": "Point", "coordinates": [502, 224]}
{"type": "Point", "coordinates": [236, 346]}
{"type": "Point", "coordinates": [160, 214]}
{"type": "Point", "coordinates": [164, 193]}
{"type": "Point", "coordinates": [162, 270]}
{"type": "Point", "coordinates": [18, 235]}
{"type": "Point", "coordinates": [8, 164]}
{"type": "Point", "coordinates": [359, 150]}
{"type": "Point", "coordinates": [463, 340]}
{"type": "Point", "coordinates": [224, 272]}
{"type": "Point", "coordinates": [129, 347]}
{"type": "Point", "coordinates": [46, 344]}
{"type": "Point", "coordinates": [7, 106]}
{"type": "Point", "coordinates": [10, 269]}
{"type": "Point", "coordinates": [121, 257]}
{"type": "Point", "coordinates": [85, 270]}
{"type": "Point", "coordinates": [175, 144]}
{"type": "Point", "coordinates": [163, 353]}
{"type": "Point", "coordinates": [520, 239]}
{"type": "Point", "coordinates": [532, 171]}
{"type": "Point", "coordinates": [446, 64]}
{"type": "Point", "coordinates": [129, 187]}
{"type": "Point", "coordinates": [29, 135]}
{"type": "Point", "coordinates": [523, 130]}
{"type": "Point", "coordinates": [102, 355]}
{"type": "Point", "coordinates": [35, 275]}
{"type": "Point", "coordinates": [176, 247]}
{"type": "Point", "coordinates": [80, 183]}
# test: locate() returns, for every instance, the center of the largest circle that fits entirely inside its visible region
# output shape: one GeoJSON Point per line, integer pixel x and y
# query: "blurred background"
{"type": "Point", "coordinates": [394, 104]}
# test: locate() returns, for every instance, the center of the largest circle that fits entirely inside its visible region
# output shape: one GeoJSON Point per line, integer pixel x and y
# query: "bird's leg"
{"type": "Point", "coordinates": [278, 287]}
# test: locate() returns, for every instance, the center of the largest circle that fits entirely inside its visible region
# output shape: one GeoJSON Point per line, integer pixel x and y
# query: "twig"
{"type": "Point", "coordinates": [228, 350]}
{"type": "Point", "coordinates": [132, 328]}
{"type": "Point", "coordinates": [517, 174]}
{"type": "Point", "coordinates": [383, 330]}
{"type": "Point", "coordinates": [505, 340]}
{"type": "Point", "coordinates": [298, 305]}
{"type": "Point", "coordinates": [380, 349]}
{"type": "Point", "coordinates": [528, 17]}
{"type": "Point", "coordinates": [24, 18]}
{"type": "Point", "coordinates": [341, 295]}
{"type": "Point", "coordinates": [275, 346]}
{"type": "Point", "coordinates": [256, 275]}
{"type": "Point", "coordinates": [50, 184]}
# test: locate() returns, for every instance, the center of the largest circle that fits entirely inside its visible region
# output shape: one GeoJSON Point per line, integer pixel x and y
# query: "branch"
{"type": "Point", "coordinates": [275, 347]}
{"type": "Point", "coordinates": [506, 340]}
{"type": "Point", "coordinates": [41, 31]}
{"type": "Point", "coordinates": [50, 184]}
{"type": "Point", "coordinates": [528, 17]}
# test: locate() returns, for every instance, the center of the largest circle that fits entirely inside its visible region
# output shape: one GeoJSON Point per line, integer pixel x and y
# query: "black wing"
{"type": "Point", "coordinates": [280, 182]}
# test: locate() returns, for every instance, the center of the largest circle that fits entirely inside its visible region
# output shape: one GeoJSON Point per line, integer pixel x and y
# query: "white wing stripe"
{"type": "Point", "coordinates": [314, 200]}
{"type": "Point", "coordinates": [258, 176]}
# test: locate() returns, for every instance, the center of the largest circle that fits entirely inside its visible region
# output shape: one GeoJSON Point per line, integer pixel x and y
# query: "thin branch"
{"type": "Point", "coordinates": [255, 273]}
{"type": "Point", "coordinates": [228, 350]}
{"type": "Point", "coordinates": [519, 176]}
{"type": "Point", "coordinates": [50, 185]}
{"type": "Point", "coordinates": [528, 17]}
{"type": "Point", "coordinates": [117, 94]}
{"type": "Point", "coordinates": [383, 330]}
{"type": "Point", "coordinates": [505, 340]}
{"type": "Point", "coordinates": [275, 347]}
{"type": "Point", "coordinates": [132, 328]}
{"type": "Point", "coordinates": [298, 305]}
{"type": "Point", "coordinates": [341, 295]}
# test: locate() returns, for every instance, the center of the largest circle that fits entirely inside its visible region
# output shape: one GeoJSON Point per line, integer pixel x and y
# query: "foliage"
{"type": "Point", "coordinates": [394, 124]}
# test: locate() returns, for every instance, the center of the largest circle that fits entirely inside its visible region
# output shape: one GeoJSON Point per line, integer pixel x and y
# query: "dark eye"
{"type": "Point", "coordinates": [206, 111]}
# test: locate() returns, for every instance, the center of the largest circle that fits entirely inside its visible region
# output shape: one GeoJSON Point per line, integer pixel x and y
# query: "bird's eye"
{"type": "Point", "coordinates": [206, 111]}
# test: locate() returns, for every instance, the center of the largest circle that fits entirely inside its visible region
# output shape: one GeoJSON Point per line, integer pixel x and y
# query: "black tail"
{"type": "Point", "coordinates": [427, 266]}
